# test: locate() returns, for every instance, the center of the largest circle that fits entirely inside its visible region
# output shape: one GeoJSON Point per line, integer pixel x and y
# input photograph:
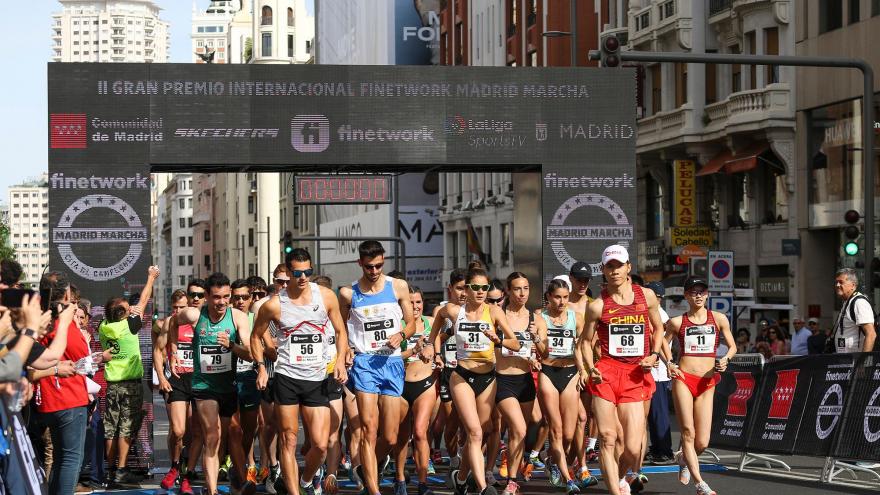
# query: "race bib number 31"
{"type": "Point", "coordinates": [306, 349]}
{"type": "Point", "coordinates": [474, 338]}
{"type": "Point", "coordinates": [377, 333]}
{"type": "Point", "coordinates": [215, 359]}
{"type": "Point", "coordinates": [626, 340]}
{"type": "Point", "coordinates": [699, 339]}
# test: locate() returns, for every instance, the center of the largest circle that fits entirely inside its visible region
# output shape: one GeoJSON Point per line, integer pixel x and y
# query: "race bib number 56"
{"type": "Point", "coordinates": [306, 349]}
{"type": "Point", "coordinates": [626, 340]}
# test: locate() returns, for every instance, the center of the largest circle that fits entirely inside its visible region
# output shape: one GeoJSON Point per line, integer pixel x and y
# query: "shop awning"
{"type": "Point", "coordinates": [747, 159]}
{"type": "Point", "coordinates": [716, 164]}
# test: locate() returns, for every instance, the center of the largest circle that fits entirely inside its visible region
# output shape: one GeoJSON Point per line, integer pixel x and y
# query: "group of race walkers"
{"type": "Point", "coordinates": [376, 381]}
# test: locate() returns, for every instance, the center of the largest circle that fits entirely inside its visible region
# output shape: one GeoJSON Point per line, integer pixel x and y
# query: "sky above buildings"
{"type": "Point", "coordinates": [26, 32]}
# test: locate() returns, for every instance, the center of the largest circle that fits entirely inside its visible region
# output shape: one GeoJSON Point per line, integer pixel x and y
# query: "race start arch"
{"type": "Point", "coordinates": [110, 125]}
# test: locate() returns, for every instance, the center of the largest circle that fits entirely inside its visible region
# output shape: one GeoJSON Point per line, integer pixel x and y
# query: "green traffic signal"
{"type": "Point", "coordinates": [288, 249]}
{"type": "Point", "coordinates": [851, 248]}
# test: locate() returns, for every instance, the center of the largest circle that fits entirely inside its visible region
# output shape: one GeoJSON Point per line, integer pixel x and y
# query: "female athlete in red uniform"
{"type": "Point", "coordinates": [693, 389]}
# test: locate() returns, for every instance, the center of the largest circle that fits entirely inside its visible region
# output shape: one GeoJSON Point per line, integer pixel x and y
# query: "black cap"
{"type": "Point", "coordinates": [581, 271]}
{"type": "Point", "coordinates": [658, 288]}
{"type": "Point", "coordinates": [693, 281]}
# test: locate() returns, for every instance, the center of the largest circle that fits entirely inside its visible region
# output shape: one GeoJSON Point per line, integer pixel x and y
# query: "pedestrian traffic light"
{"type": "Point", "coordinates": [288, 242]}
{"type": "Point", "coordinates": [609, 51]}
{"type": "Point", "coordinates": [851, 232]}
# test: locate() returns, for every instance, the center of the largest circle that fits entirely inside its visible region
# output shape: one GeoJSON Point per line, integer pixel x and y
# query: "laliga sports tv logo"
{"type": "Point", "coordinates": [66, 235]}
{"type": "Point", "coordinates": [737, 403]}
{"type": "Point", "coordinates": [619, 230]}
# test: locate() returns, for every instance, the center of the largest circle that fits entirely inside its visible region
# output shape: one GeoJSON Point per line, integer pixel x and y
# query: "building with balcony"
{"type": "Point", "coordinates": [736, 122]}
{"type": "Point", "coordinates": [829, 144]}
{"type": "Point", "coordinates": [109, 31]}
{"type": "Point", "coordinates": [210, 31]}
{"type": "Point", "coordinates": [173, 253]}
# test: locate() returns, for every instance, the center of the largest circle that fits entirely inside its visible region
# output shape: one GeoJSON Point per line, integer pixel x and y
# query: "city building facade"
{"type": "Point", "coordinates": [210, 32]}
{"type": "Point", "coordinates": [28, 224]}
{"type": "Point", "coordinates": [109, 31]}
{"type": "Point", "coordinates": [174, 255]}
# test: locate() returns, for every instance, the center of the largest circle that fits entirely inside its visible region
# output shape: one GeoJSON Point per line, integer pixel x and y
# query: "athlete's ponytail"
{"type": "Point", "coordinates": [475, 269]}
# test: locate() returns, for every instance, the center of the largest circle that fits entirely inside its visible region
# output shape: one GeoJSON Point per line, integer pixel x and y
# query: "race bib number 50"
{"type": "Point", "coordinates": [626, 340]}
{"type": "Point", "coordinates": [185, 355]}
{"type": "Point", "coordinates": [215, 359]}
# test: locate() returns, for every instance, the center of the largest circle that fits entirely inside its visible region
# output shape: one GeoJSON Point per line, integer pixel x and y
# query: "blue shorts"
{"type": "Point", "coordinates": [374, 374]}
{"type": "Point", "coordinates": [248, 395]}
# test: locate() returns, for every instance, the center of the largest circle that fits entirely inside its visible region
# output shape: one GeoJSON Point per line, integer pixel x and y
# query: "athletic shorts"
{"type": "Point", "coordinates": [445, 391]}
{"type": "Point", "coordinates": [478, 382]}
{"type": "Point", "coordinates": [520, 387]}
{"type": "Point", "coordinates": [334, 388]}
{"type": "Point", "coordinates": [227, 403]}
{"type": "Point", "coordinates": [698, 384]}
{"type": "Point", "coordinates": [414, 390]}
{"type": "Point", "coordinates": [622, 382]}
{"type": "Point", "coordinates": [124, 412]}
{"type": "Point", "coordinates": [374, 374]}
{"type": "Point", "coordinates": [292, 392]}
{"type": "Point", "coordinates": [246, 387]}
{"type": "Point", "coordinates": [181, 389]}
{"type": "Point", "coordinates": [266, 394]}
{"type": "Point", "coordinates": [560, 376]}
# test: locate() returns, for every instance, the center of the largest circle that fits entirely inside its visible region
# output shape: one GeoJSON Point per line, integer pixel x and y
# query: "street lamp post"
{"type": "Point", "coordinates": [572, 33]}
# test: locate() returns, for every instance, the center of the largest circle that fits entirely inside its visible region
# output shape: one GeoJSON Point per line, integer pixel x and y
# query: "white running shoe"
{"type": "Point", "coordinates": [703, 489]}
{"type": "Point", "coordinates": [684, 474]}
{"type": "Point", "coordinates": [624, 487]}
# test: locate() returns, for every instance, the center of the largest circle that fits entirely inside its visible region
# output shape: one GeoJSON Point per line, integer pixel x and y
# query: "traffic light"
{"type": "Point", "coordinates": [609, 51]}
{"type": "Point", "coordinates": [851, 232]}
{"type": "Point", "coordinates": [288, 242]}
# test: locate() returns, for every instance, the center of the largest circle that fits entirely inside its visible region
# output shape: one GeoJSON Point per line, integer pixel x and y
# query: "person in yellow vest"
{"type": "Point", "coordinates": [125, 392]}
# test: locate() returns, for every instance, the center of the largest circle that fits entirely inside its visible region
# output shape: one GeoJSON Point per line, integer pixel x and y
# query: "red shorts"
{"type": "Point", "coordinates": [622, 382]}
{"type": "Point", "coordinates": [698, 384]}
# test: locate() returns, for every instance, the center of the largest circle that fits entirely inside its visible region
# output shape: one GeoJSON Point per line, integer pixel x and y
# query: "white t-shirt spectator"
{"type": "Point", "coordinates": [659, 373]}
{"type": "Point", "coordinates": [849, 336]}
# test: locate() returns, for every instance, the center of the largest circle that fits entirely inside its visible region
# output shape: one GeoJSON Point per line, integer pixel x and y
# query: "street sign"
{"type": "Point", "coordinates": [720, 268]}
{"type": "Point", "coordinates": [723, 304]}
{"type": "Point", "coordinates": [679, 237]}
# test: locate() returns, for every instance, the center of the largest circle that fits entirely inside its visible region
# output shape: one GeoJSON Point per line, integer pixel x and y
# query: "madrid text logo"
{"type": "Point", "coordinates": [66, 235]}
{"type": "Point", "coordinates": [67, 131]}
{"type": "Point", "coordinates": [310, 133]}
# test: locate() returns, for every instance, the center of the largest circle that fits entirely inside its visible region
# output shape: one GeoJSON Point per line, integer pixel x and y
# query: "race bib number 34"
{"type": "Point", "coordinates": [306, 349]}
{"type": "Point", "coordinates": [377, 333]}
{"type": "Point", "coordinates": [215, 359]}
{"type": "Point", "coordinates": [699, 339]}
{"type": "Point", "coordinates": [626, 340]}
{"type": "Point", "coordinates": [560, 342]}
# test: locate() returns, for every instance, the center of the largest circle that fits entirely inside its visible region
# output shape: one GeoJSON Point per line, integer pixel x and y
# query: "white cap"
{"type": "Point", "coordinates": [565, 279]}
{"type": "Point", "coordinates": [615, 252]}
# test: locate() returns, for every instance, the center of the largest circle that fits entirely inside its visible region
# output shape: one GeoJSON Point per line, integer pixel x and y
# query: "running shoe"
{"type": "Point", "coordinates": [330, 485]}
{"type": "Point", "coordinates": [490, 479]}
{"type": "Point", "coordinates": [399, 487]}
{"type": "Point", "coordinates": [684, 474]}
{"type": "Point", "coordinates": [585, 479]}
{"type": "Point", "coordinates": [502, 469]}
{"type": "Point", "coordinates": [512, 488]}
{"type": "Point", "coordinates": [525, 470]}
{"type": "Point", "coordinates": [489, 490]}
{"type": "Point", "coordinates": [556, 476]}
{"type": "Point", "coordinates": [436, 456]}
{"type": "Point", "coordinates": [571, 487]}
{"type": "Point", "coordinates": [535, 461]}
{"type": "Point", "coordinates": [249, 488]}
{"type": "Point", "coordinates": [424, 490]}
{"type": "Point", "coordinates": [455, 462]}
{"type": "Point", "coordinates": [624, 487]}
{"type": "Point", "coordinates": [252, 474]}
{"type": "Point", "coordinates": [170, 479]}
{"type": "Point", "coordinates": [458, 487]}
{"type": "Point", "coordinates": [592, 456]}
{"type": "Point", "coordinates": [316, 480]}
{"type": "Point", "coordinates": [431, 469]}
{"type": "Point", "coordinates": [125, 477]}
{"type": "Point", "coordinates": [272, 481]}
{"type": "Point", "coordinates": [703, 489]}
{"type": "Point", "coordinates": [388, 465]}
{"type": "Point", "coordinates": [306, 490]}
{"type": "Point", "coordinates": [186, 487]}
{"type": "Point", "coordinates": [262, 474]}
{"type": "Point", "coordinates": [636, 484]}
{"type": "Point", "coordinates": [224, 469]}
{"type": "Point", "coordinates": [450, 479]}
{"type": "Point", "coordinates": [346, 462]}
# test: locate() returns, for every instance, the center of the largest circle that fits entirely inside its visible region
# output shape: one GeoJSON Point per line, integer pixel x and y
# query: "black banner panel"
{"type": "Point", "coordinates": [110, 124]}
{"type": "Point", "coordinates": [780, 409]}
{"type": "Point", "coordinates": [832, 375]}
{"type": "Point", "coordinates": [734, 405]}
{"type": "Point", "coordinates": [860, 425]}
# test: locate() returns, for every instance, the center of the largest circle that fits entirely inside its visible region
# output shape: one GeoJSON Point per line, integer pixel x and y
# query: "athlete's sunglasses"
{"type": "Point", "coordinates": [241, 297]}
{"type": "Point", "coordinates": [258, 295]}
{"type": "Point", "coordinates": [282, 281]}
{"type": "Point", "coordinates": [479, 287]}
{"type": "Point", "coordinates": [492, 300]}
{"type": "Point", "coordinates": [196, 295]}
{"type": "Point", "coordinates": [300, 273]}
{"type": "Point", "coordinates": [377, 266]}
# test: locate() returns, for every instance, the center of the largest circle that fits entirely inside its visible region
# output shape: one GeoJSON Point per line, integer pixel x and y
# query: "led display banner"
{"type": "Point", "coordinates": [342, 189]}
{"type": "Point", "coordinates": [111, 124]}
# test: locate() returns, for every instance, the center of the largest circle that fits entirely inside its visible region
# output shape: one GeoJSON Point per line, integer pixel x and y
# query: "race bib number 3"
{"type": "Point", "coordinates": [626, 340]}
{"type": "Point", "coordinates": [699, 339]}
{"type": "Point", "coordinates": [525, 346]}
{"type": "Point", "coordinates": [306, 349]}
{"type": "Point", "coordinates": [560, 342]}
{"type": "Point", "coordinates": [377, 333]}
{"type": "Point", "coordinates": [473, 337]}
{"type": "Point", "coordinates": [185, 355]}
{"type": "Point", "coordinates": [215, 359]}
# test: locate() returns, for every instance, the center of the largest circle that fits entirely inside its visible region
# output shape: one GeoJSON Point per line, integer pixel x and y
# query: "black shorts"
{"type": "Point", "coordinates": [227, 403]}
{"type": "Point", "coordinates": [560, 377]}
{"type": "Point", "coordinates": [181, 389]}
{"type": "Point", "coordinates": [292, 392]}
{"type": "Point", "coordinates": [266, 395]}
{"type": "Point", "coordinates": [414, 390]}
{"type": "Point", "coordinates": [478, 382]}
{"type": "Point", "coordinates": [519, 387]}
{"type": "Point", "coordinates": [334, 389]}
{"type": "Point", "coordinates": [445, 391]}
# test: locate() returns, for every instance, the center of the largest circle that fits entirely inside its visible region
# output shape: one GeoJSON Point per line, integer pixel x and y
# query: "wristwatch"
{"type": "Point", "coordinates": [27, 332]}
{"type": "Point", "coordinates": [258, 364]}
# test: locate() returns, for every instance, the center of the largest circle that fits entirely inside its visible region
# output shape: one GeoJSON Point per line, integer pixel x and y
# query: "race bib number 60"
{"type": "Point", "coordinates": [626, 340]}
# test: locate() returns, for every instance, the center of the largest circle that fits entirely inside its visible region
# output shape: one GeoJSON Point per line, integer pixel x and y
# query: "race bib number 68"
{"type": "Point", "coordinates": [626, 340]}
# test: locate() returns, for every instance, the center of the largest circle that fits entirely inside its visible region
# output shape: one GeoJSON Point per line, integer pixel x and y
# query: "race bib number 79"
{"type": "Point", "coordinates": [626, 340]}
{"type": "Point", "coordinates": [215, 359]}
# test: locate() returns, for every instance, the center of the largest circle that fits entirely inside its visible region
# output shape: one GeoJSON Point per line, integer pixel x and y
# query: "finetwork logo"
{"type": "Point", "coordinates": [310, 133]}
{"type": "Point", "coordinates": [67, 131]}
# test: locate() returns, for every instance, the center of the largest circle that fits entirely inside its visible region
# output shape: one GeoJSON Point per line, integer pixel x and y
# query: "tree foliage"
{"type": "Point", "coordinates": [6, 249]}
